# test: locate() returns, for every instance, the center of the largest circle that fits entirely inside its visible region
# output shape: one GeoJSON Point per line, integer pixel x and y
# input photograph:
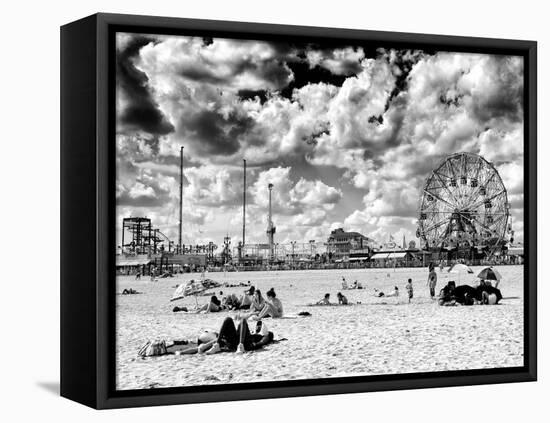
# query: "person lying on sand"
{"type": "Point", "coordinates": [342, 300]}
{"type": "Point", "coordinates": [325, 300]}
{"type": "Point", "coordinates": [213, 306]}
{"type": "Point", "coordinates": [378, 293]}
{"type": "Point", "coordinates": [238, 339]}
{"type": "Point", "coordinates": [130, 291]}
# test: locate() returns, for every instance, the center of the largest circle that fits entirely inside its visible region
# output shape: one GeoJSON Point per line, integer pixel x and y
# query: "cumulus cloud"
{"type": "Point", "coordinates": [322, 124]}
{"type": "Point", "coordinates": [136, 109]}
{"type": "Point", "coordinates": [340, 61]}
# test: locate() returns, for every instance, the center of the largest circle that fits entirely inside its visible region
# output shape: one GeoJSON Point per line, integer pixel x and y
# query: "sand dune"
{"type": "Point", "coordinates": [378, 336]}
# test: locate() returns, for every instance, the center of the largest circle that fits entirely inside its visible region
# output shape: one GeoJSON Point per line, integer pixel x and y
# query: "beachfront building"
{"type": "Point", "coordinates": [342, 244]}
{"type": "Point", "coordinates": [515, 254]}
{"type": "Point", "coordinates": [397, 258]}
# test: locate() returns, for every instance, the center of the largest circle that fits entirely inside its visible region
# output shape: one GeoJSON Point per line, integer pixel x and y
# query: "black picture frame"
{"type": "Point", "coordinates": [88, 213]}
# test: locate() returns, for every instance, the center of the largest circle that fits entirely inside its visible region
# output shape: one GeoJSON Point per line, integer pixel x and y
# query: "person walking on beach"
{"type": "Point", "coordinates": [409, 288]}
{"type": "Point", "coordinates": [432, 282]}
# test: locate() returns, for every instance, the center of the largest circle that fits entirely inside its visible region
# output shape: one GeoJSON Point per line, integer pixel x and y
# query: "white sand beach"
{"type": "Point", "coordinates": [378, 336]}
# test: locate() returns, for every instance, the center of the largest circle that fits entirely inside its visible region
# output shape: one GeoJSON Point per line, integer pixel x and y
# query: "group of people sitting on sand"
{"type": "Point", "coordinates": [252, 300]}
{"type": "Point", "coordinates": [342, 300]}
{"type": "Point", "coordinates": [354, 285]}
{"type": "Point", "coordinates": [485, 294]}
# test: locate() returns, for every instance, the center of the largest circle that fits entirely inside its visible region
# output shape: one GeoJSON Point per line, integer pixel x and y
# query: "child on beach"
{"type": "Point", "coordinates": [432, 281]}
{"type": "Point", "coordinates": [409, 288]}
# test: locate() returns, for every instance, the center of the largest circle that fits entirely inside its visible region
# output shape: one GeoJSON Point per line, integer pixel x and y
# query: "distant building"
{"type": "Point", "coordinates": [342, 244]}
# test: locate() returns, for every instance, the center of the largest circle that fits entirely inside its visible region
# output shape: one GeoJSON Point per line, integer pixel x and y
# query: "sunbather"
{"type": "Point", "coordinates": [213, 306]}
{"type": "Point", "coordinates": [258, 301]}
{"type": "Point", "coordinates": [238, 339]}
{"type": "Point", "coordinates": [273, 306]}
{"type": "Point", "coordinates": [395, 293]}
{"type": "Point", "coordinates": [247, 299]}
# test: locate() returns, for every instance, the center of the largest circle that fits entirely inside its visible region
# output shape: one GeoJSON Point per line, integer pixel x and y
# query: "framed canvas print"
{"type": "Point", "coordinates": [254, 211]}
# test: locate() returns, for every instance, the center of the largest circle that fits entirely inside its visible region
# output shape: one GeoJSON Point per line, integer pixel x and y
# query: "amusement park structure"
{"type": "Point", "coordinates": [144, 239]}
{"type": "Point", "coordinates": [464, 208]}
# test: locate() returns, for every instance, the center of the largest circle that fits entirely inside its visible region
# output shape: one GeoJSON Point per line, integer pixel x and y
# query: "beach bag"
{"type": "Point", "coordinates": [152, 348]}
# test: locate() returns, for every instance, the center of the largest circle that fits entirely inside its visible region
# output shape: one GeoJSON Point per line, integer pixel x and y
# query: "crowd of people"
{"type": "Point", "coordinates": [251, 301]}
{"type": "Point", "coordinates": [257, 305]}
{"type": "Point", "coordinates": [235, 334]}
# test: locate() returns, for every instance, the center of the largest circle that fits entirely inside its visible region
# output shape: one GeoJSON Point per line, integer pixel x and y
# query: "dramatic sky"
{"type": "Point", "coordinates": [346, 134]}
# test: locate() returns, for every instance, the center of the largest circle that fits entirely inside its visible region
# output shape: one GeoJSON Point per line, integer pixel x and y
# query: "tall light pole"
{"type": "Point", "coordinates": [181, 198]}
{"type": "Point", "coordinates": [244, 202]}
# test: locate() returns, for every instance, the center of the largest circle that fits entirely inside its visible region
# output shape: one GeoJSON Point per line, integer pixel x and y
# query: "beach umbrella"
{"type": "Point", "coordinates": [192, 287]}
{"type": "Point", "coordinates": [489, 274]}
{"type": "Point", "coordinates": [459, 268]}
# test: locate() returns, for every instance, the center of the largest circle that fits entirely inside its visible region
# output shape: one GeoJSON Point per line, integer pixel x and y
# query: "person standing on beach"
{"type": "Point", "coordinates": [432, 282]}
{"type": "Point", "coordinates": [409, 288]}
